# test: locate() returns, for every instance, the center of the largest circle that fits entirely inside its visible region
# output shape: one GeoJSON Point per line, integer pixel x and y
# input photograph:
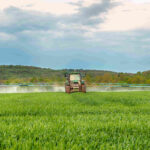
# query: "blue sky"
{"type": "Point", "coordinates": [89, 34]}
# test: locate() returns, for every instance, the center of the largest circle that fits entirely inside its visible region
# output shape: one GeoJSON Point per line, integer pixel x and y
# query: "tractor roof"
{"type": "Point", "coordinates": [69, 73]}
{"type": "Point", "coordinates": [74, 73]}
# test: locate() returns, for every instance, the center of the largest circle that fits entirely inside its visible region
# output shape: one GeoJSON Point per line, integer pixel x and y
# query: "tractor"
{"type": "Point", "coordinates": [74, 82]}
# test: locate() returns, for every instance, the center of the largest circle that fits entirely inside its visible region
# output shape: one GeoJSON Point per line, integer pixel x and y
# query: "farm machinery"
{"type": "Point", "coordinates": [74, 82]}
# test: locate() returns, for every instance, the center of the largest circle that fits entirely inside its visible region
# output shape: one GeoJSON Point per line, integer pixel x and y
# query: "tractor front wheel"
{"type": "Point", "coordinates": [67, 89]}
{"type": "Point", "coordinates": [83, 88]}
{"type": "Point", "coordinates": [80, 88]}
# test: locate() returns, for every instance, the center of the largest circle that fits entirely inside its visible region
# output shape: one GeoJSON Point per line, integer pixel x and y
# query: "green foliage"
{"type": "Point", "coordinates": [29, 74]}
{"type": "Point", "coordinates": [102, 121]}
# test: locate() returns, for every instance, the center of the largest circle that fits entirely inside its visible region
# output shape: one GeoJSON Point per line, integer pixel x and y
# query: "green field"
{"type": "Point", "coordinates": [103, 121]}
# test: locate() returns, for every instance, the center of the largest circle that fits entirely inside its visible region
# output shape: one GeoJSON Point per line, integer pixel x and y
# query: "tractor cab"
{"type": "Point", "coordinates": [74, 82]}
{"type": "Point", "coordinates": [75, 77]}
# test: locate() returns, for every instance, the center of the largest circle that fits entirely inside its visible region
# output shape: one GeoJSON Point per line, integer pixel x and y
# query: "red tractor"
{"type": "Point", "coordinates": [74, 83]}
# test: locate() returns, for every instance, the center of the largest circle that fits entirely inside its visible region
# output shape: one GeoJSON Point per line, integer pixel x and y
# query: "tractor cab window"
{"type": "Point", "coordinates": [74, 77]}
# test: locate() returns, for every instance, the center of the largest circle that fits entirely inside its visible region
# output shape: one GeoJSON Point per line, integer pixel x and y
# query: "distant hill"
{"type": "Point", "coordinates": [28, 74]}
{"type": "Point", "coordinates": [11, 72]}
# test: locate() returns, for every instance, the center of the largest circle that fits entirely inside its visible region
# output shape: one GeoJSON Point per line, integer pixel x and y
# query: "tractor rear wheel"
{"type": "Point", "coordinates": [67, 89]}
{"type": "Point", "coordinates": [83, 88]}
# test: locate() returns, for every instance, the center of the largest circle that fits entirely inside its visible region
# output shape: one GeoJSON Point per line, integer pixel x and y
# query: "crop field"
{"type": "Point", "coordinates": [78, 121]}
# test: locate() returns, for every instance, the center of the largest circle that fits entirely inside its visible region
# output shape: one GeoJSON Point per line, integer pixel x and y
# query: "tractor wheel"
{"type": "Point", "coordinates": [67, 89]}
{"type": "Point", "coordinates": [80, 88]}
{"type": "Point", "coordinates": [83, 88]}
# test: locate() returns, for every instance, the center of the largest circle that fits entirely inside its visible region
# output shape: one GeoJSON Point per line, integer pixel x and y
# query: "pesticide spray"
{"type": "Point", "coordinates": [61, 88]}
{"type": "Point", "coordinates": [30, 89]}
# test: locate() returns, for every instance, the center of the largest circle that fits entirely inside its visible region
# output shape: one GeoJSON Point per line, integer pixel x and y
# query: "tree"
{"type": "Point", "coordinates": [34, 80]}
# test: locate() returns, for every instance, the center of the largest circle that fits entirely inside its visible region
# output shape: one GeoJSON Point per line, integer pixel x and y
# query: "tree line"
{"type": "Point", "coordinates": [29, 74]}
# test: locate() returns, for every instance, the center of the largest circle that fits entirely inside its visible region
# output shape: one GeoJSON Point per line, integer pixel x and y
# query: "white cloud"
{"type": "Point", "coordinates": [6, 37]}
{"type": "Point", "coordinates": [57, 8]}
{"type": "Point", "coordinates": [128, 16]}
{"type": "Point", "coordinates": [140, 1]}
{"type": "Point", "coordinates": [146, 40]}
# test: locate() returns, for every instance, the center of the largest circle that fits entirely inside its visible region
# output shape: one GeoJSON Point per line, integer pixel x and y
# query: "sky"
{"type": "Point", "coordinates": [89, 34]}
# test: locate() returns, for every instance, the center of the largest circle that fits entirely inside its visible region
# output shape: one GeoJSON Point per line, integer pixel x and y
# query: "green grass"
{"type": "Point", "coordinates": [103, 121]}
